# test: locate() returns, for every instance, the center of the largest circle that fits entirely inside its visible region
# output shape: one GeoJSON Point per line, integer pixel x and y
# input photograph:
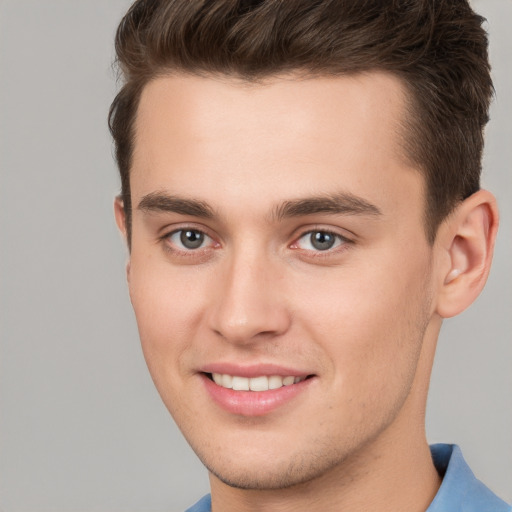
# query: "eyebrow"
{"type": "Point", "coordinates": [342, 203]}
{"type": "Point", "coordinates": [156, 202]}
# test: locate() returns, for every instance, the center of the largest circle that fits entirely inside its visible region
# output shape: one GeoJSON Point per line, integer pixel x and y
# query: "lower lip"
{"type": "Point", "coordinates": [253, 403]}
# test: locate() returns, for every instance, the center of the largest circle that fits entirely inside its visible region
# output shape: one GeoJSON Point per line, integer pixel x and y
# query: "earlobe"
{"type": "Point", "coordinates": [469, 236]}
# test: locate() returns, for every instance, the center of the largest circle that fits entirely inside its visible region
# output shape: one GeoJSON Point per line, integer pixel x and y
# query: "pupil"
{"type": "Point", "coordinates": [191, 239]}
{"type": "Point", "coordinates": [321, 240]}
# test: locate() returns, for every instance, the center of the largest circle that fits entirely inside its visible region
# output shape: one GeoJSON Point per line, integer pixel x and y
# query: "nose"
{"type": "Point", "coordinates": [249, 302]}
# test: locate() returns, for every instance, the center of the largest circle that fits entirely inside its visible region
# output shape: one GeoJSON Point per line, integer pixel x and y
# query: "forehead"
{"type": "Point", "coordinates": [259, 139]}
{"type": "Point", "coordinates": [204, 107]}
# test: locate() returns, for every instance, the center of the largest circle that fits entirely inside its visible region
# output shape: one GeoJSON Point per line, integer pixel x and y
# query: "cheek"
{"type": "Point", "coordinates": [168, 306]}
{"type": "Point", "coordinates": [370, 321]}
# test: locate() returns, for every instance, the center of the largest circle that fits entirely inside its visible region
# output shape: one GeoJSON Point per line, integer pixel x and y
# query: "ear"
{"type": "Point", "coordinates": [466, 239]}
{"type": "Point", "coordinates": [120, 217]}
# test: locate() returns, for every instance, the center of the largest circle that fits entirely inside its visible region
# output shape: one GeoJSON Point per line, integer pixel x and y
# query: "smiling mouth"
{"type": "Point", "coordinates": [260, 383]}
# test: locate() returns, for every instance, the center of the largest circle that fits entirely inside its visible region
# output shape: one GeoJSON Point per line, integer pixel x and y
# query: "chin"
{"type": "Point", "coordinates": [265, 478]}
{"type": "Point", "coordinates": [271, 472]}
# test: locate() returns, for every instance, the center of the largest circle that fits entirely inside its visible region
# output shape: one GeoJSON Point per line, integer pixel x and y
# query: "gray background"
{"type": "Point", "coordinates": [81, 427]}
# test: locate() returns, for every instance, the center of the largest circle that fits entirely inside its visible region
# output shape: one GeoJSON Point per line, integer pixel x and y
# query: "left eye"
{"type": "Point", "coordinates": [189, 239]}
{"type": "Point", "coordinates": [319, 241]}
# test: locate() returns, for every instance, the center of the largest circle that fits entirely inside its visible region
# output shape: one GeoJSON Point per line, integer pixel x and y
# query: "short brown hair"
{"type": "Point", "coordinates": [438, 49]}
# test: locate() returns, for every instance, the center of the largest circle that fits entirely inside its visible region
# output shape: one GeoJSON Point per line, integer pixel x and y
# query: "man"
{"type": "Point", "coordinates": [301, 200]}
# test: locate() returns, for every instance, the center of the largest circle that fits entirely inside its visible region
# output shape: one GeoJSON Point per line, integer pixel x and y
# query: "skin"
{"type": "Point", "coordinates": [362, 318]}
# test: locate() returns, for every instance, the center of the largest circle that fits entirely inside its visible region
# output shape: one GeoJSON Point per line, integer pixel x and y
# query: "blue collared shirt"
{"type": "Point", "coordinates": [460, 491]}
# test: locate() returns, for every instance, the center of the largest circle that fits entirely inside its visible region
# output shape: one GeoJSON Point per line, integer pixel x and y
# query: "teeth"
{"type": "Point", "coordinates": [226, 381]}
{"type": "Point", "coordinates": [258, 384]}
{"type": "Point", "coordinates": [275, 382]}
{"type": "Point", "coordinates": [262, 383]}
{"type": "Point", "coordinates": [240, 383]}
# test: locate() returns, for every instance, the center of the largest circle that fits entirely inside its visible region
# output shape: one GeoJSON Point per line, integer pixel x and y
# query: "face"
{"type": "Point", "coordinates": [279, 272]}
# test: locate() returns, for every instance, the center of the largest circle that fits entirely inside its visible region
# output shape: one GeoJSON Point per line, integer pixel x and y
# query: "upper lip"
{"type": "Point", "coordinates": [253, 370]}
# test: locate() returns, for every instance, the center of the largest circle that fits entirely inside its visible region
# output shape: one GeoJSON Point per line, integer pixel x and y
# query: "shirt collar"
{"type": "Point", "coordinates": [460, 490]}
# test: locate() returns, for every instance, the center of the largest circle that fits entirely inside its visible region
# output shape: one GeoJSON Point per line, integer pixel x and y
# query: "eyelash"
{"type": "Point", "coordinates": [341, 242]}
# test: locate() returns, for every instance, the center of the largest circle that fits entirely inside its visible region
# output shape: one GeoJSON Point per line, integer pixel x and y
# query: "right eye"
{"type": "Point", "coordinates": [188, 239]}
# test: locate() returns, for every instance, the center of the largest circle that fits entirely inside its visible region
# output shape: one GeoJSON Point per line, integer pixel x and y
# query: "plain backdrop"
{"type": "Point", "coordinates": [81, 426]}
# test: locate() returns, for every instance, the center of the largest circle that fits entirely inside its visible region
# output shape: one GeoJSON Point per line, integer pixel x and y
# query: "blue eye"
{"type": "Point", "coordinates": [319, 241]}
{"type": "Point", "coordinates": [189, 239]}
